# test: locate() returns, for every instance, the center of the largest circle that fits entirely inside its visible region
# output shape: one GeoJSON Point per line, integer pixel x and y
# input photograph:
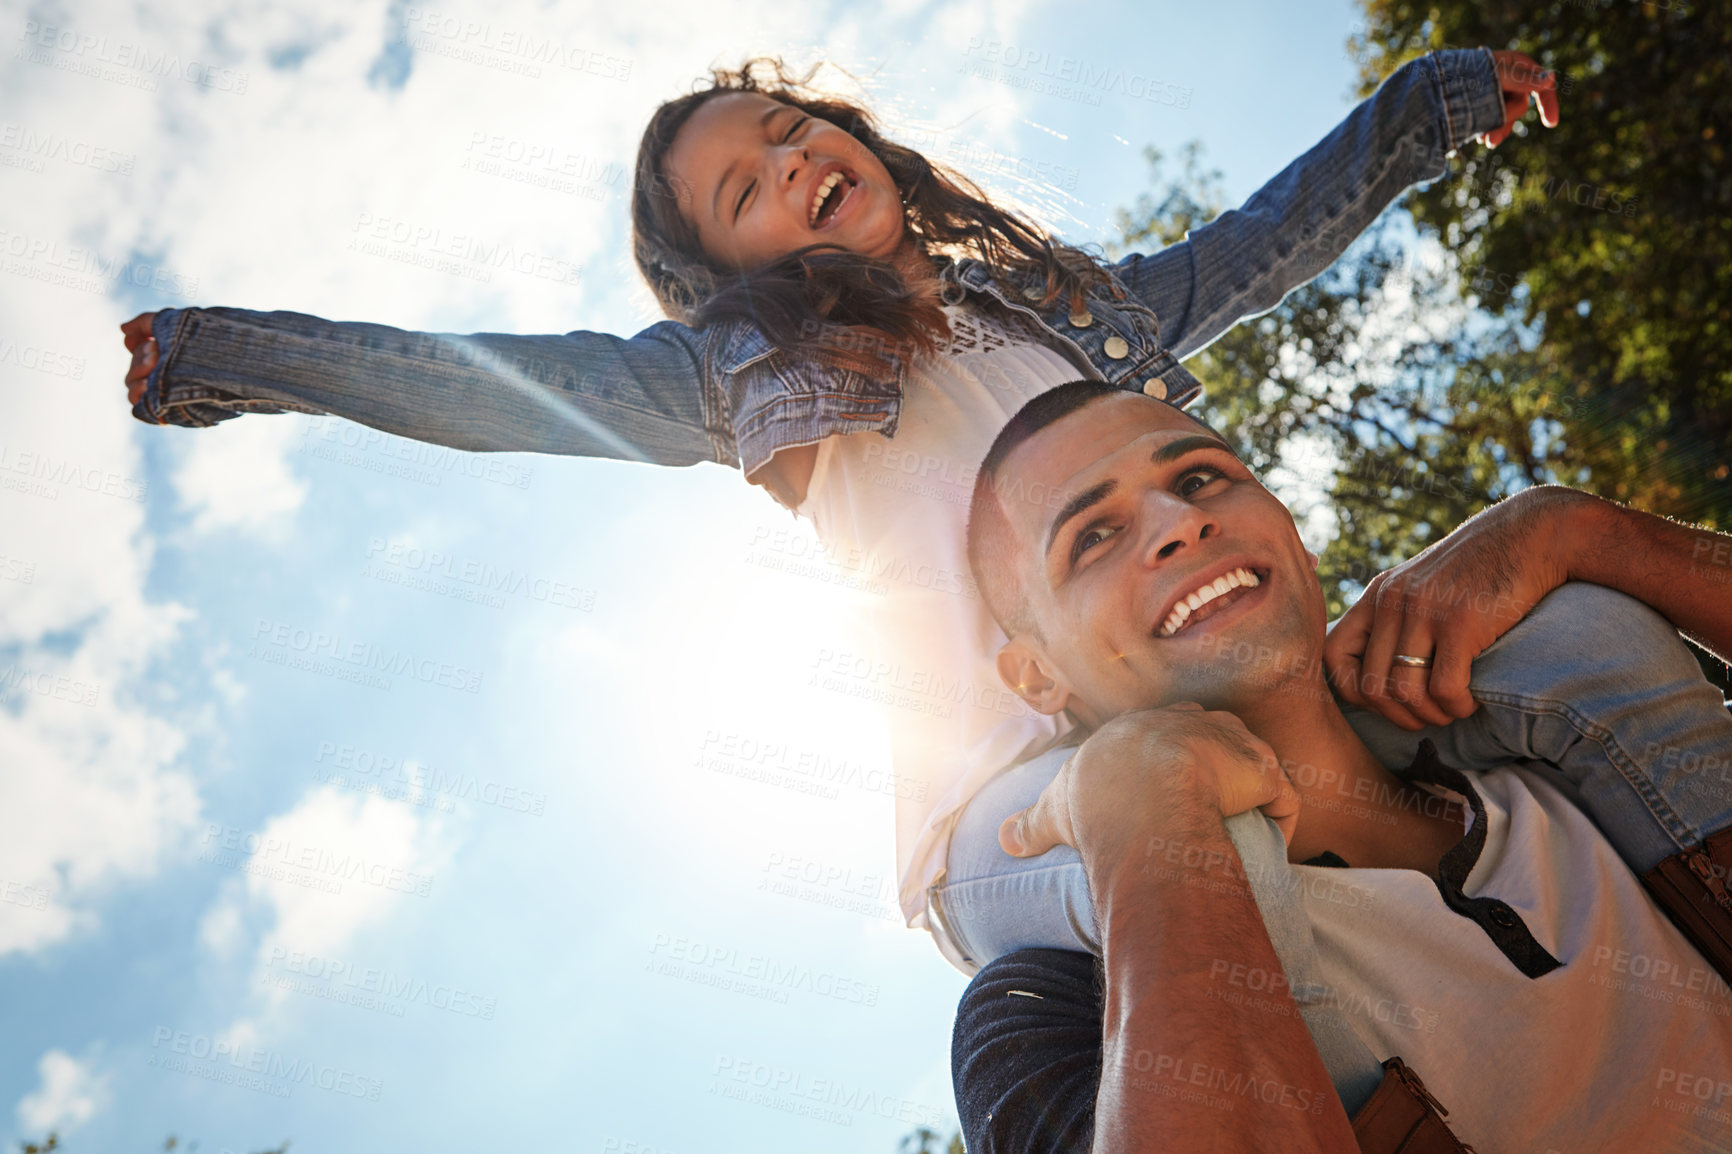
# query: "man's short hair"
{"type": "Point", "coordinates": [992, 548]}
{"type": "Point", "coordinates": [992, 552]}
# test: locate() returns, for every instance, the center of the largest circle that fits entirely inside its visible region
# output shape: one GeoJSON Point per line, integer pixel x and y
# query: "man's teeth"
{"type": "Point", "coordinates": [1205, 594]}
{"type": "Point", "coordinates": [823, 191]}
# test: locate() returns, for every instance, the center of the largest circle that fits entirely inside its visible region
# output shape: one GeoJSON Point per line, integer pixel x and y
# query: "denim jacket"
{"type": "Point", "coordinates": [674, 395]}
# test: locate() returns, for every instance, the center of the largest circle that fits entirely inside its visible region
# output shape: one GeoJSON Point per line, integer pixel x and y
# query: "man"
{"type": "Point", "coordinates": [1505, 924]}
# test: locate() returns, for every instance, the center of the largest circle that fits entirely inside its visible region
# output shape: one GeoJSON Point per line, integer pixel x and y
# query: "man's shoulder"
{"type": "Point", "coordinates": [1026, 1052]}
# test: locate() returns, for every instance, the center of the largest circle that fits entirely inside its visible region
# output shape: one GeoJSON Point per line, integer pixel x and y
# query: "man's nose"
{"type": "Point", "coordinates": [1174, 524]}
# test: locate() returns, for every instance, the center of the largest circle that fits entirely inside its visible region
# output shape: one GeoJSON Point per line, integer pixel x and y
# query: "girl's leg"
{"type": "Point", "coordinates": [992, 903]}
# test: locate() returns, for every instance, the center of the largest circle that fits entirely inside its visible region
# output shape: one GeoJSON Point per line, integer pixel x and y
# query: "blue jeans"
{"type": "Point", "coordinates": [1591, 682]}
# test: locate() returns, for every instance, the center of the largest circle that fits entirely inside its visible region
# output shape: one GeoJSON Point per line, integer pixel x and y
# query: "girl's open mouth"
{"type": "Point", "coordinates": [836, 191]}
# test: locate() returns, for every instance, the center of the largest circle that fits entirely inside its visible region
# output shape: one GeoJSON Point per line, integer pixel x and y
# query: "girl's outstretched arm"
{"type": "Point", "coordinates": [1247, 259]}
{"type": "Point", "coordinates": [642, 398]}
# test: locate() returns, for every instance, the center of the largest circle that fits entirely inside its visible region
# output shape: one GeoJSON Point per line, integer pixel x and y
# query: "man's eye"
{"type": "Point", "coordinates": [1088, 539]}
{"type": "Point", "coordinates": [1200, 477]}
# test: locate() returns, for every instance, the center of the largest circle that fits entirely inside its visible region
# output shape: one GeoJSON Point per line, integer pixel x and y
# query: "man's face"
{"type": "Point", "coordinates": [759, 179]}
{"type": "Point", "coordinates": [1155, 508]}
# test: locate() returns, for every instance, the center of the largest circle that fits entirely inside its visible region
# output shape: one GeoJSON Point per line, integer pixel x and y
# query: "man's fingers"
{"type": "Point", "coordinates": [1450, 670]}
{"type": "Point", "coordinates": [1342, 650]}
{"type": "Point", "coordinates": [1029, 833]}
{"type": "Point", "coordinates": [1388, 611]}
{"type": "Point", "coordinates": [1411, 683]}
{"type": "Point", "coordinates": [1344, 677]}
{"type": "Point", "coordinates": [1375, 684]}
{"type": "Point", "coordinates": [1284, 812]}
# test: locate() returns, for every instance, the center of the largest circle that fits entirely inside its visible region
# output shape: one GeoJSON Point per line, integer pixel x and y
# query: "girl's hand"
{"type": "Point", "coordinates": [142, 346]}
{"type": "Point", "coordinates": [1521, 80]}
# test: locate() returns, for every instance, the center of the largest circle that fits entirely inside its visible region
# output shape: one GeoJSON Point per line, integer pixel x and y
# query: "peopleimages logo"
{"type": "Point", "coordinates": [281, 643]}
{"type": "Point", "coordinates": [797, 1086]}
{"type": "Point", "coordinates": [339, 980]}
{"type": "Point", "coordinates": [87, 53]}
{"type": "Point", "coordinates": [174, 1046]}
{"type": "Point", "coordinates": [263, 853]}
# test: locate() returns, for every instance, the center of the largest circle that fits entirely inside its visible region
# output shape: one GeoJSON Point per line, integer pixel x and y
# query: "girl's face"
{"type": "Point", "coordinates": [758, 179]}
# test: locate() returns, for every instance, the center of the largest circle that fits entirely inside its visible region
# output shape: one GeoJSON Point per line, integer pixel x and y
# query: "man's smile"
{"type": "Point", "coordinates": [1228, 587]}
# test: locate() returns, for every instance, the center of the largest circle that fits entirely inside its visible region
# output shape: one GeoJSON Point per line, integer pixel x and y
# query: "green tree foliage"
{"type": "Point", "coordinates": [925, 1141]}
{"type": "Point", "coordinates": [171, 1143]}
{"type": "Point", "coordinates": [1611, 234]}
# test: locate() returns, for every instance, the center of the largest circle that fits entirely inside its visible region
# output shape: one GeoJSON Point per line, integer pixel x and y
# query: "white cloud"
{"type": "Point", "coordinates": [327, 868]}
{"type": "Point", "coordinates": [69, 1096]}
{"type": "Point", "coordinates": [91, 792]}
{"type": "Point", "coordinates": [236, 476]}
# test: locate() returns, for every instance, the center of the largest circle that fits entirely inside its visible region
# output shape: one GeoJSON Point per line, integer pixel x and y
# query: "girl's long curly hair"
{"type": "Point", "coordinates": [822, 302]}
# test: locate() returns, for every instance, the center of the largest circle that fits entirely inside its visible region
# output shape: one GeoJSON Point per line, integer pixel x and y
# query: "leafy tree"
{"type": "Point", "coordinates": [922, 1141]}
{"type": "Point", "coordinates": [52, 1143]}
{"type": "Point", "coordinates": [1611, 235]}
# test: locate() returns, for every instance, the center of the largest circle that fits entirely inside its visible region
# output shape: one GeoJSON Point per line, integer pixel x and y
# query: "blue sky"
{"type": "Point", "coordinates": [575, 904]}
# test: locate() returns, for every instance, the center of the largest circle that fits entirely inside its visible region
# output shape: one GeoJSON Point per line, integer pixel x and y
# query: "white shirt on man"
{"type": "Point", "coordinates": [1625, 1046]}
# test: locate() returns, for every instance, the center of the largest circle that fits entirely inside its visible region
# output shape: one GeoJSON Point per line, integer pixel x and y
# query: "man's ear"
{"type": "Point", "coordinates": [1025, 668]}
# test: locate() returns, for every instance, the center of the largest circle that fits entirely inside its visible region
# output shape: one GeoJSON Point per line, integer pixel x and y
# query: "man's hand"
{"type": "Point", "coordinates": [142, 346]}
{"type": "Point", "coordinates": [1144, 767]}
{"type": "Point", "coordinates": [1449, 603]}
{"type": "Point", "coordinates": [1522, 80]}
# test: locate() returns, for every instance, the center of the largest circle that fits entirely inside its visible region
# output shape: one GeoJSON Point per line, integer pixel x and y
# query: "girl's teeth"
{"type": "Point", "coordinates": [818, 197]}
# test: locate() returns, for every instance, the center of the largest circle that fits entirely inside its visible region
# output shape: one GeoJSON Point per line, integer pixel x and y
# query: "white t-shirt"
{"type": "Point", "coordinates": [894, 511]}
{"type": "Point", "coordinates": [1627, 1046]}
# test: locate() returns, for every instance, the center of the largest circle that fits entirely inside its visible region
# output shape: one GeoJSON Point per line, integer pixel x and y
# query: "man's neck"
{"type": "Point", "coordinates": [1351, 805]}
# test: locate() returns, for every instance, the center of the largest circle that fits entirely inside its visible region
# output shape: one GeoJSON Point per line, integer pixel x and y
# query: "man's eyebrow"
{"type": "Point", "coordinates": [1171, 451]}
{"type": "Point", "coordinates": [716, 200]}
{"type": "Point", "coordinates": [1076, 505]}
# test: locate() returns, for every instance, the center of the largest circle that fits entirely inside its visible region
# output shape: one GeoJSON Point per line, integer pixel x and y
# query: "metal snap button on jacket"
{"type": "Point", "coordinates": [1082, 320]}
{"type": "Point", "coordinates": [1116, 348]}
{"type": "Point", "coordinates": [1156, 388]}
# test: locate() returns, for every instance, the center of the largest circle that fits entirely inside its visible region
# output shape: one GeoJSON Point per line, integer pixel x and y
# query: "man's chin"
{"type": "Point", "coordinates": [1238, 671]}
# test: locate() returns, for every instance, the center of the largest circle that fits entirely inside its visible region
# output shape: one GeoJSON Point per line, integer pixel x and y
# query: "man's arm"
{"type": "Point", "coordinates": [1683, 571]}
{"type": "Point", "coordinates": [1180, 1069]}
{"type": "Point", "coordinates": [1452, 600]}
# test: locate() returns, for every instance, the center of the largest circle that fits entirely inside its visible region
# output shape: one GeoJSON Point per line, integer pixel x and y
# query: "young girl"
{"type": "Point", "coordinates": [849, 326]}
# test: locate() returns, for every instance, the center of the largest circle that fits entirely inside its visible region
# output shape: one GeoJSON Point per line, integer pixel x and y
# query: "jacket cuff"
{"type": "Point", "coordinates": [1471, 93]}
{"type": "Point", "coordinates": [169, 399]}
